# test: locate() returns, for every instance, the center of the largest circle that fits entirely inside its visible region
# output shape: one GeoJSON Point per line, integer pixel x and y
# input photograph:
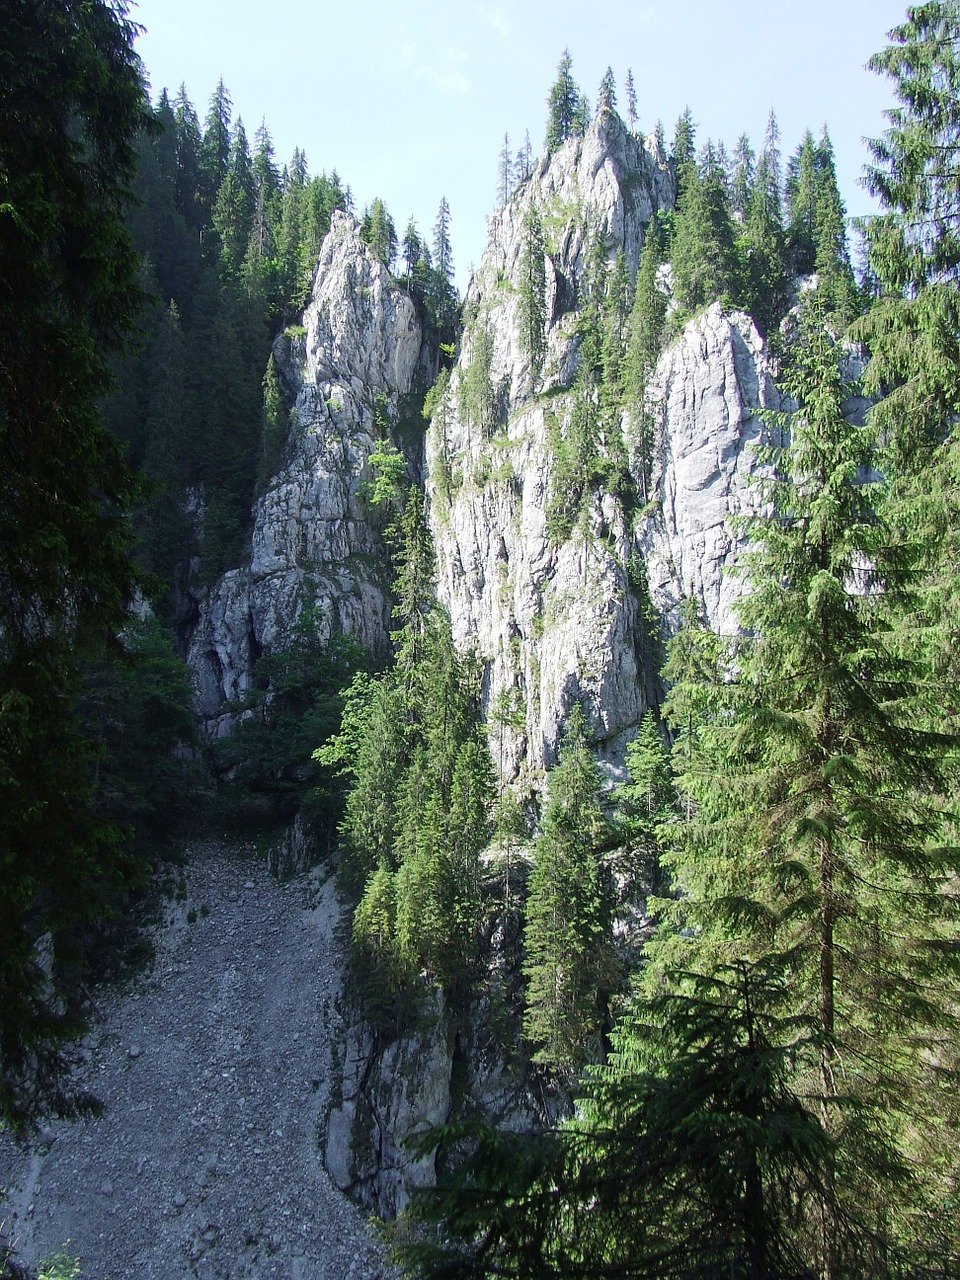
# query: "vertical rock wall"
{"type": "Point", "coordinates": [360, 346]}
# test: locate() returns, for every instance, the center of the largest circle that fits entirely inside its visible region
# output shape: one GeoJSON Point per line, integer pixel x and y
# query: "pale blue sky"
{"type": "Point", "coordinates": [410, 100]}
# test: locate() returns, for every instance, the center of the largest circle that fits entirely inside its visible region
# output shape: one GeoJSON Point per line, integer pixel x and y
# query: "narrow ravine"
{"type": "Point", "coordinates": [215, 1074]}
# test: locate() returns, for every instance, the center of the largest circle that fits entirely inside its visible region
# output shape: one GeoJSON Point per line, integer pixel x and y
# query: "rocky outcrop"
{"type": "Point", "coordinates": [347, 371]}
{"type": "Point", "coordinates": [708, 388]}
{"type": "Point", "coordinates": [558, 615]}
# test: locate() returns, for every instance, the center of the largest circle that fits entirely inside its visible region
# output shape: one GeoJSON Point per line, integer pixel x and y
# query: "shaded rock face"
{"type": "Point", "coordinates": [360, 353]}
{"type": "Point", "coordinates": [562, 617]}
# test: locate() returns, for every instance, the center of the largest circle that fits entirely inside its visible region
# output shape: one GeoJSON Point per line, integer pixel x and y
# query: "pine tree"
{"type": "Point", "coordinates": [616, 310]}
{"type": "Point", "coordinates": [260, 267]}
{"type": "Point", "coordinates": [683, 151]}
{"type": "Point", "coordinates": [646, 802]}
{"type": "Point", "coordinates": [523, 166]}
{"type": "Point", "coordinates": [477, 397]}
{"type": "Point", "coordinates": [912, 328]}
{"type": "Point", "coordinates": [816, 234]}
{"type": "Point", "coordinates": [233, 210]}
{"type": "Point", "coordinates": [567, 914]}
{"type": "Point", "coordinates": [188, 159]}
{"type": "Point", "coordinates": [690, 1154]}
{"type": "Point", "coordinates": [274, 432]}
{"type": "Point", "coordinates": [741, 179]}
{"type": "Point", "coordinates": [801, 191]}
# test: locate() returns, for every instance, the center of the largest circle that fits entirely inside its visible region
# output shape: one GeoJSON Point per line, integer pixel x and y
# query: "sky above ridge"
{"type": "Point", "coordinates": [410, 100]}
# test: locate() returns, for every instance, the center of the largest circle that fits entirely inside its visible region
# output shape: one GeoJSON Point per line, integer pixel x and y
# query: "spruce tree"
{"type": "Point", "coordinates": [563, 101]}
{"type": "Point", "coordinates": [816, 818]}
{"type": "Point", "coordinates": [704, 257]}
{"type": "Point", "coordinates": [683, 150]}
{"type": "Point", "coordinates": [378, 233]}
{"type": "Point", "coordinates": [532, 282]}
{"type": "Point", "coordinates": [911, 330]}
{"type": "Point", "coordinates": [607, 95]}
{"type": "Point", "coordinates": [233, 210]}
{"type": "Point", "coordinates": [762, 240]}
{"type": "Point", "coordinates": [442, 296]}
{"type": "Point", "coordinates": [189, 144]}
{"type": "Point", "coordinates": [505, 172]}
{"type": "Point", "coordinates": [214, 153]}
{"type": "Point", "coordinates": [566, 938]}
{"type": "Point", "coordinates": [741, 178]}
{"type": "Point", "coordinates": [631, 94]}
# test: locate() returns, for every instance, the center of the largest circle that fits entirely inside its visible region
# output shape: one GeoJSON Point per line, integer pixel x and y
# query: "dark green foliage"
{"type": "Point", "coordinates": [618, 296]}
{"type": "Point", "coordinates": [644, 804]}
{"type": "Point", "coordinates": [762, 240]}
{"type": "Point", "coordinates": [566, 937]}
{"type": "Point", "coordinates": [419, 797]}
{"type": "Point", "coordinates": [139, 711]}
{"type": "Point", "coordinates": [816, 232]}
{"type": "Point", "coordinates": [566, 107]}
{"type": "Point", "coordinates": [233, 210]}
{"type": "Point", "coordinates": [607, 96]}
{"type": "Point", "coordinates": [295, 705]}
{"type": "Point", "coordinates": [816, 811]}
{"type": "Point", "coordinates": [741, 177]}
{"type": "Point", "coordinates": [683, 151]}
{"type": "Point", "coordinates": [417, 261]}
{"type": "Point", "coordinates": [71, 104]}
{"type": "Point", "coordinates": [214, 151]}
{"type": "Point", "coordinates": [476, 390]}
{"type": "Point", "coordinates": [703, 253]}
{"type": "Point", "coordinates": [441, 295]}
{"type": "Point", "coordinates": [532, 317]}
{"type": "Point", "coordinates": [378, 232]}
{"type": "Point", "coordinates": [690, 1155]}
{"type": "Point", "coordinates": [273, 435]}
{"type": "Point", "coordinates": [912, 328]}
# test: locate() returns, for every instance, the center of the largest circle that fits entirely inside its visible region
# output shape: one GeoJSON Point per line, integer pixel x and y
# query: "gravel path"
{"type": "Point", "coordinates": [214, 1074]}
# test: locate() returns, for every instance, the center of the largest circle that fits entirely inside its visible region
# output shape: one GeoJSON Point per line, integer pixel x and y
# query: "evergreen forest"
{"type": "Point", "coordinates": [730, 968]}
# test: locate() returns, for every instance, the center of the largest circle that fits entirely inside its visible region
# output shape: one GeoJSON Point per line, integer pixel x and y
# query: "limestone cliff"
{"type": "Point", "coordinates": [556, 610]}
{"type": "Point", "coordinates": [557, 618]}
{"type": "Point", "coordinates": [347, 370]}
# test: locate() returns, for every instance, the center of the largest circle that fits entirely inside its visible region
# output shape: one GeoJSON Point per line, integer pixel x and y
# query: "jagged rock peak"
{"type": "Point", "coordinates": [361, 327]}
{"type": "Point", "coordinates": [346, 371]}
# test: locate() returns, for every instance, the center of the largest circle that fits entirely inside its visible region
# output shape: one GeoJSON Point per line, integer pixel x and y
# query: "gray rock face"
{"type": "Point", "coordinates": [361, 349]}
{"type": "Point", "coordinates": [709, 386]}
{"type": "Point", "coordinates": [559, 616]}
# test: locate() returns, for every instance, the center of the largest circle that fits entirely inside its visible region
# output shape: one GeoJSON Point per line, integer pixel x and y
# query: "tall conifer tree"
{"type": "Point", "coordinates": [817, 814]}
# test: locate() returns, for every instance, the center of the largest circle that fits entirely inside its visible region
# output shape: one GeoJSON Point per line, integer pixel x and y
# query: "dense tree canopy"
{"type": "Point", "coordinates": [71, 105]}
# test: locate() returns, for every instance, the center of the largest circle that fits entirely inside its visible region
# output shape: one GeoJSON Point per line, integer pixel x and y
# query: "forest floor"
{"type": "Point", "coordinates": [214, 1070]}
